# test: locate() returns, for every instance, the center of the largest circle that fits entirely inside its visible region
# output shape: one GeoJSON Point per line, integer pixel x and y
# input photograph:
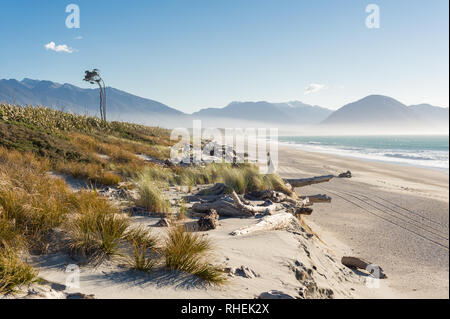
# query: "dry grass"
{"type": "Point", "coordinates": [182, 211]}
{"type": "Point", "coordinates": [242, 177]}
{"type": "Point", "coordinates": [30, 199]}
{"type": "Point", "coordinates": [98, 229]}
{"type": "Point", "coordinates": [145, 248]}
{"type": "Point", "coordinates": [93, 173]}
{"type": "Point", "coordinates": [191, 253]}
{"type": "Point", "coordinates": [151, 197]}
{"type": "Point", "coordinates": [13, 271]}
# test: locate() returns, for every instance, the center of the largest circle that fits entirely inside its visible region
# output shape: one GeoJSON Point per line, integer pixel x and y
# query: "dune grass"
{"type": "Point", "coordinates": [34, 206]}
{"type": "Point", "coordinates": [241, 178]}
{"type": "Point", "coordinates": [191, 253]}
{"type": "Point", "coordinates": [13, 271]}
{"type": "Point", "coordinates": [98, 228]}
{"type": "Point", "coordinates": [34, 202]}
{"type": "Point", "coordinates": [93, 173]}
{"type": "Point", "coordinates": [151, 197]}
{"type": "Point", "coordinates": [145, 247]}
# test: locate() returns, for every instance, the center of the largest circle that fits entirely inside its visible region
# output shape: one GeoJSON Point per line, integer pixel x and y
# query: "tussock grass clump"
{"type": "Point", "coordinates": [151, 197]}
{"type": "Point", "coordinates": [30, 200]}
{"type": "Point", "coordinates": [182, 211]}
{"type": "Point", "coordinates": [190, 253]}
{"type": "Point", "coordinates": [9, 236]}
{"type": "Point", "coordinates": [13, 271]}
{"type": "Point", "coordinates": [93, 173]}
{"type": "Point", "coordinates": [145, 248]}
{"type": "Point", "coordinates": [98, 229]}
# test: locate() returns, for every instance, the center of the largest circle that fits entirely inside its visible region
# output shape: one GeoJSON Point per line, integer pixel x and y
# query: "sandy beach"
{"type": "Point", "coordinates": [394, 216]}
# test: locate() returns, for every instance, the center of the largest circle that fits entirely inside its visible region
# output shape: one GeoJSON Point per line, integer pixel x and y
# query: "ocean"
{"type": "Point", "coordinates": [423, 151]}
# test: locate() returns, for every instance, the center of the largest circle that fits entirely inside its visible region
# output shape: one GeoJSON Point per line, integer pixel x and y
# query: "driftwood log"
{"type": "Point", "coordinates": [271, 222]}
{"type": "Point", "coordinates": [224, 206]}
{"type": "Point", "coordinates": [319, 198]}
{"type": "Point", "coordinates": [233, 206]}
{"type": "Point", "coordinates": [277, 197]}
{"type": "Point", "coordinates": [300, 182]}
{"type": "Point", "coordinates": [253, 210]}
{"type": "Point", "coordinates": [355, 262]}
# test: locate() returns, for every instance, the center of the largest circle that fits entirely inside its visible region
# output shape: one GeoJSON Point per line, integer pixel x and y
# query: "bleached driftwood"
{"type": "Point", "coordinates": [251, 209]}
{"type": "Point", "coordinates": [224, 206]}
{"type": "Point", "coordinates": [277, 197]}
{"type": "Point", "coordinates": [300, 182]}
{"type": "Point", "coordinates": [319, 198]}
{"type": "Point", "coordinates": [271, 222]}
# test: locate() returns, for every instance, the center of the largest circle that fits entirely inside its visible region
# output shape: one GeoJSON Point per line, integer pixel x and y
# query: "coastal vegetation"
{"type": "Point", "coordinates": [41, 213]}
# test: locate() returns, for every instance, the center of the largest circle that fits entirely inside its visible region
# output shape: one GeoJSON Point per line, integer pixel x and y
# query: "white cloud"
{"type": "Point", "coordinates": [58, 48]}
{"type": "Point", "coordinates": [314, 87]}
{"type": "Point", "coordinates": [78, 37]}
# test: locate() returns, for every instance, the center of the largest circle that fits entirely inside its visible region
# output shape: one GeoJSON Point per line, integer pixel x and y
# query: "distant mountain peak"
{"type": "Point", "coordinates": [291, 113]}
{"type": "Point", "coordinates": [386, 113]}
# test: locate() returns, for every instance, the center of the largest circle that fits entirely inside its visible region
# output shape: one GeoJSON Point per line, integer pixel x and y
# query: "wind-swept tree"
{"type": "Point", "coordinates": [94, 77]}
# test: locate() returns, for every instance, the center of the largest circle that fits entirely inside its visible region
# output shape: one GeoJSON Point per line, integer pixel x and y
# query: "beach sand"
{"type": "Point", "coordinates": [394, 216]}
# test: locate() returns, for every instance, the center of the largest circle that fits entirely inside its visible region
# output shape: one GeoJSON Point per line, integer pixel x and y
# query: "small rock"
{"type": "Point", "coordinates": [275, 294]}
{"type": "Point", "coordinates": [246, 272]}
{"type": "Point", "coordinates": [209, 221]}
{"type": "Point", "coordinates": [242, 271]}
{"type": "Point", "coordinates": [163, 222]}
{"type": "Point", "coordinates": [347, 174]}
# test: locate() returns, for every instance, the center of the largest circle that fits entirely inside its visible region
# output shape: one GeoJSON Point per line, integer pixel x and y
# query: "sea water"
{"type": "Point", "coordinates": [424, 151]}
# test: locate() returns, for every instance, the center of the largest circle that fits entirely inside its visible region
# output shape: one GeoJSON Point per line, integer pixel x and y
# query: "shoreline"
{"type": "Point", "coordinates": [301, 147]}
{"type": "Point", "coordinates": [392, 215]}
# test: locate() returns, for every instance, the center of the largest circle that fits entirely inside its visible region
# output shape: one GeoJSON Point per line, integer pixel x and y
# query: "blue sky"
{"type": "Point", "coordinates": [197, 53]}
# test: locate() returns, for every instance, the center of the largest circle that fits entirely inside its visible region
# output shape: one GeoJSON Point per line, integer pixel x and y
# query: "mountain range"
{"type": "Point", "coordinates": [378, 111]}
{"type": "Point", "coordinates": [67, 97]}
{"type": "Point", "coordinates": [371, 112]}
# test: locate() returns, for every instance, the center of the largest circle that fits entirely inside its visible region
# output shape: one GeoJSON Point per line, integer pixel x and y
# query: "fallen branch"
{"type": "Point", "coordinates": [271, 222]}
{"type": "Point", "coordinates": [320, 198]}
{"type": "Point", "coordinates": [300, 182]}
{"type": "Point", "coordinates": [354, 262]}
